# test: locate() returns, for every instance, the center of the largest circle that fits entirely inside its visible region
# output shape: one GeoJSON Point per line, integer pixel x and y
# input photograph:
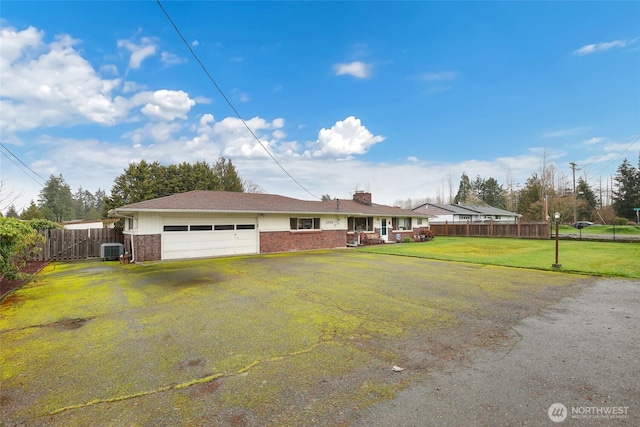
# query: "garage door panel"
{"type": "Point", "coordinates": [230, 236]}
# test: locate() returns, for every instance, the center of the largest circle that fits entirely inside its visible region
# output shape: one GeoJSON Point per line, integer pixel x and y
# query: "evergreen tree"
{"type": "Point", "coordinates": [11, 212]}
{"type": "Point", "coordinates": [145, 181]}
{"type": "Point", "coordinates": [56, 200]}
{"type": "Point", "coordinates": [494, 194]}
{"type": "Point", "coordinates": [585, 201]}
{"type": "Point", "coordinates": [32, 212]}
{"type": "Point", "coordinates": [530, 199]}
{"type": "Point", "coordinates": [464, 190]}
{"type": "Point", "coordinates": [227, 176]}
{"type": "Point", "coordinates": [627, 195]}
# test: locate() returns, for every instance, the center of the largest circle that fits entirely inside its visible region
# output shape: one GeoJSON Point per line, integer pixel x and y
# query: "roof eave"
{"type": "Point", "coordinates": [256, 212]}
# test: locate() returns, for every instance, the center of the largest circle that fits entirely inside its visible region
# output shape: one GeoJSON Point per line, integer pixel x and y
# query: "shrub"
{"type": "Point", "coordinates": [17, 241]}
{"type": "Point", "coordinates": [428, 234]}
{"type": "Point", "coordinates": [407, 240]}
{"type": "Point", "coordinates": [620, 221]}
{"type": "Point", "coordinates": [43, 224]}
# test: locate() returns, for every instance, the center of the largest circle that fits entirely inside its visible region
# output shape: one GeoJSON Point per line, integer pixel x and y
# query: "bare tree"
{"type": "Point", "coordinates": [7, 197]}
{"type": "Point", "coordinates": [251, 187]}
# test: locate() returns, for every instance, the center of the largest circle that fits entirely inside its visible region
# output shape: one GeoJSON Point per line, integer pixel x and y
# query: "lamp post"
{"type": "Point", "coordinates": [556, 216]}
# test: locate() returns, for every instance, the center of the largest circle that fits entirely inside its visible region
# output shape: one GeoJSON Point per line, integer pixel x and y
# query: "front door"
{"type": "Point", "coordinates": [383, 230]}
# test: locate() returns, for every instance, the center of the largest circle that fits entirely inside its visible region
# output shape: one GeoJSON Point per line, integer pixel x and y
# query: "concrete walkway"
{"type": "Point", "coordinates": [583, 353]}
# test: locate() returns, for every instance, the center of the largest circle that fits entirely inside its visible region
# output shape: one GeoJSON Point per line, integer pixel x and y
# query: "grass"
{"type": "Point", "coordinates": [627, 230]}
{"type": "Point", "coordinates": [595, 258]}
{"type": "Point", "coordinates": [281, 339]}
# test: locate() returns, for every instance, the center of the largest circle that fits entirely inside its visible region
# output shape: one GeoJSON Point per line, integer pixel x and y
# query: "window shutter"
{"type": "Point", "coordinates": [316, 223]}
{"type": "Point", "coordinates": [294, 223]}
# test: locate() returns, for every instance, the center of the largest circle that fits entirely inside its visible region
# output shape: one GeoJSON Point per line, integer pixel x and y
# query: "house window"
{"type": "Point", "coordinates": [419, 221]}
{"type": "Point", "coordinates": [224, 227]}
{"type": "Point", "coordinates": [403, 224]}
{"type": "Point", "coordinates": [360, 223]}
{"type": "Point", "coordinates": [245, 227]}
{"type": "Point", "coordinates": [176, 228]}
{"type": "Point", "coordinates": [201, 228]}
{"type": "Point", "coordinates": [305, 223]}
{"type": "Point", "coordinates": [465, 217]}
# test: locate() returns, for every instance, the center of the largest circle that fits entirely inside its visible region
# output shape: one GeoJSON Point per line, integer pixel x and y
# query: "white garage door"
{"type": "Point", "coordinates": [198, 239]}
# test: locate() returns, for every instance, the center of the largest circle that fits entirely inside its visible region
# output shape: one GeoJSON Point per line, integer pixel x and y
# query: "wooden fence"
{"type": "Point", "coordinates": [524, 230]}
{"type": "Point", "coordinates": [75, 244]}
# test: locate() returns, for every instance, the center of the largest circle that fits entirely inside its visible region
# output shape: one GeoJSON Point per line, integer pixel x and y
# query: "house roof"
{"type": "Point", "coordinates": [463, 209]}
{"type": "Point", "coordinates": [234, 202]}
{"type": "Point", "coordinates": [489, 210]}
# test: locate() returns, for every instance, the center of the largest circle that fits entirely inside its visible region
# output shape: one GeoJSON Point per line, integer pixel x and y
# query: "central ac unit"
{"type": "Point", "coordinates": [111, 251]}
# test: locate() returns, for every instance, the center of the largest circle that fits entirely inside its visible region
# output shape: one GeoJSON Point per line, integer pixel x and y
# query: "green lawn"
{"type": "Point", "coordinates": [597, 258]}
{"type": "Point", "coordinates": [627, 230]}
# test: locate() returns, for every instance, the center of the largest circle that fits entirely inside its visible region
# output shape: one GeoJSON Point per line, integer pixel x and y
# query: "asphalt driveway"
{"type": "Point", "coordinates": [581, 353]}
{"type": "Point", "coordinates": [288, 339]}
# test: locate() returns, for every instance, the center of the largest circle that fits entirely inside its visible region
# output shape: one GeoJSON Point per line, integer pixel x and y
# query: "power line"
{"type": "Point", "coordinates": [175, 27]}
{"type": "Point", "coordinates": [636, 138]}
{"type": "Point", "coordinates": [23, 163]}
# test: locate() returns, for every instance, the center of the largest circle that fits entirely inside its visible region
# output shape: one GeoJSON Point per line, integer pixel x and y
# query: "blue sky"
{"type": "Point", "coordinates": [398, 98]}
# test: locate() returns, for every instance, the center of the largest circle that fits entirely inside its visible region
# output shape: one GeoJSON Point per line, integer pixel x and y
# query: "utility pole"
{"type": "Point", "coordinates": [574, 167]}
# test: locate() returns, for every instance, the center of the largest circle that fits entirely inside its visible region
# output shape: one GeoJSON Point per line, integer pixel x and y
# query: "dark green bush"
{"type": "Point", "coordinates": [620, 221]}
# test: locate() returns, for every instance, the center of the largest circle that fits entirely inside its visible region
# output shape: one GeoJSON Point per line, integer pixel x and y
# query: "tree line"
{"type": "Point", "coordinates": [583, 203]}
{"type": "Point", "coordinates": [147, 180]}
{"type": "Point", "coordinates": [139, 181]}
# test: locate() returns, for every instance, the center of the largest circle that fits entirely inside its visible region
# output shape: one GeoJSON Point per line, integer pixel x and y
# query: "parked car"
{"type": "Point", "coordinates": [581, 224]}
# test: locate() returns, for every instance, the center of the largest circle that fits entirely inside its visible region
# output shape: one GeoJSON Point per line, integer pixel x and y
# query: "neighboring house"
{"type": "Point", "coordinates": [462, 213]}
{"type": "Point", "coordinates": [78, 224]}
{"type": "Point", "coordinates": [215, 223]}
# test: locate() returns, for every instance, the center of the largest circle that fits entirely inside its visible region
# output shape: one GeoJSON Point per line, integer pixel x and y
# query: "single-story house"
{"type": "Point", "coordinates": [199, 224]}
{"type": "Point", "coordinates": [461, 213]}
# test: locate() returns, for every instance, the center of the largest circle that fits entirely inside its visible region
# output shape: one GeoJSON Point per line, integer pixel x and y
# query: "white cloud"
{"type": "Point", "coordinates": [139, 52]}
{"type": "Point", "coordinates": [237, 141]}
{"type": "Point", "coordinates": [239, 95]}
{"type": "Point", "coordinates": [166, 104]}
{"type": "Point", "coordinates": [131, 87]}
{"type": "Point", "coordinates": [109, 69]}
{"type": "Point", "coordinates": [51, 84]}
{"type": "Point", "coordinates": [14, 43]}
{"type": "Point", "coordinates": [344, 139]}
{"type": "Point", "coordinates": [564, 132]}
{"type": "Point", "coordinates": [595, 140]}
{"type": "Point", "coordinates": [168, 58]}
{"type": "Point", "coordinates": [153, 133]}
{"type": "Point", "coordinates": [356, 69]}
{"type": "Point", "coordinates": [600, 47]}
{"type": "Point", "coordinates": [195, 43]}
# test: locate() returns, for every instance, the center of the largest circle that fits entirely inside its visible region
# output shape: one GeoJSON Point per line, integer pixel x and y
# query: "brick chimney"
{"type": "Point", "coordinates": [362, 197]}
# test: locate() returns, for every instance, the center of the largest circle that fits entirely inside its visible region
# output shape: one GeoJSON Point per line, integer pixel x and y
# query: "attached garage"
{"type": "Point", "coordinates": [189, 238]}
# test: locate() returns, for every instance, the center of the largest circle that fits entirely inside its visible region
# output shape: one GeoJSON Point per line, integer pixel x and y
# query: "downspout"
{"type": "Point", "coordinates": [133, 246]}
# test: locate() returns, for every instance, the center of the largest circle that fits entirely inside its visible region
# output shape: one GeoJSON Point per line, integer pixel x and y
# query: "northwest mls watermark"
{"type": "Point", "coordinates": [558, 412]}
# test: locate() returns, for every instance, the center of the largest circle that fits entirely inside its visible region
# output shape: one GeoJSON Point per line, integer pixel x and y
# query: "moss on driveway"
{"type": "Point", "coordinates": [286, 339]}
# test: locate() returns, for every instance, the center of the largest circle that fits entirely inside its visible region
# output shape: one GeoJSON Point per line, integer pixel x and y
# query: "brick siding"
{"type": "Point", "coordinates": [283, 241]}
{"type": "Point", "coordinates": [148, 247]}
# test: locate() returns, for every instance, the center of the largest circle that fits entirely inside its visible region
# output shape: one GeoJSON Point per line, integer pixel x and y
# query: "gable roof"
{"type": "Point", "coordinates": [234, 202]}
{"type": "Point", "coordinates": [489, 210]}
{"type": "Point", "coordinates": [463, 209]}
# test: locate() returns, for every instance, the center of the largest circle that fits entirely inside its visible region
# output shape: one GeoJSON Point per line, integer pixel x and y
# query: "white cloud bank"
{"type": "Point", "coordinates": [53, 85]}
